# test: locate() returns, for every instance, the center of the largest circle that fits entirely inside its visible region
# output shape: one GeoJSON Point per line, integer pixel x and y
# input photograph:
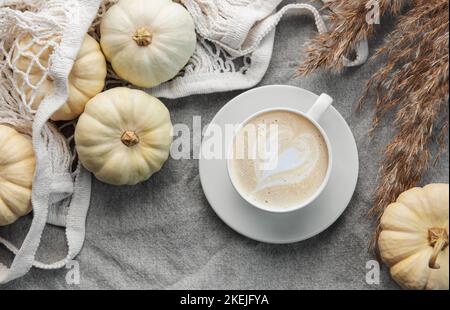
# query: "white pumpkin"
{"type": "Point", "coordinates": [17, 166]}
{"type": "Point", "coordinates": [414, 238]}
{"type": "Point", "coordinates": [124, 136]}
{"type": "Point", "coordinates": [147, 42]}
{"type": "Point", "coordinates": [86, 79]}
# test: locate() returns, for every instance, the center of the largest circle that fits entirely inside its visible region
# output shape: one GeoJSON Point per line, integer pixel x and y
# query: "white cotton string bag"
{"type": "Point", "coordinates": [59, 196]}
{"type": "Point", "coordinates": [235, 45]}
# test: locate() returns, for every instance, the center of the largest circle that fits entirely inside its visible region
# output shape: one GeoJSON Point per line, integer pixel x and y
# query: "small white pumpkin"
{"type": "Point", "coordinates": [414, 238]}
{"type": "Point", "coordinates": [147, 42]}
{"type": "Point", "coordinates": [17, 166]}
{"type": "Point", "coordinates": [124, 136]}
{"type": "Point", "coordinates": [86, 79]}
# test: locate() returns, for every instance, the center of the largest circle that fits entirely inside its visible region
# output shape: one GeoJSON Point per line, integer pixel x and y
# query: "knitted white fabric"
{"type": "Point", "coordinates": [235, 43]}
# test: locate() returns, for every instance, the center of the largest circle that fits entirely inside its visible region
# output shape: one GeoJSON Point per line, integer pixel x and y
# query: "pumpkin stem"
{"type": "Point", "coordinates": [438, 239]}
{"type": "Point", "coordinates": [129, 138]}
{"type": "Point", "coordinates": [143, 37]}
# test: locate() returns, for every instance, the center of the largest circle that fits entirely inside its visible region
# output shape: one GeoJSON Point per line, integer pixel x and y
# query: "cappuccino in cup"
{"type": "Point", "coordinates": [280, 160]}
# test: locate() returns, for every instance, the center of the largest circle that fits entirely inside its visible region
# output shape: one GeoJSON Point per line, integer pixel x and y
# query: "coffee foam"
{"type": "Point", "coordinates": [298, 169]}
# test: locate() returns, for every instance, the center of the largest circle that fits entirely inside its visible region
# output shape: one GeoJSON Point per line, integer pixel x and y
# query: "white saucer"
{"type": "Point", "coordinates": [302, 224]}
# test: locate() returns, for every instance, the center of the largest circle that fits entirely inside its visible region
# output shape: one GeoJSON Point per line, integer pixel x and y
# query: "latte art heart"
{"type": "Point", "coordinates": [295, 162]}
{"type": "Point", "coordinates": [292, 165]}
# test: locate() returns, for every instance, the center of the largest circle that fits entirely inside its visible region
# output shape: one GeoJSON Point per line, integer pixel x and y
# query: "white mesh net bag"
{"type": "Point", "coordinates": [234, 48]}
{"type": "Point", "coordinates": [60, 196]}
{"type": "Point", "coordinates": [235, 41]}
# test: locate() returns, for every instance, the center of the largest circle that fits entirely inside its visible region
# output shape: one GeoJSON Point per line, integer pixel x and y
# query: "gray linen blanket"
{"type": "Point", "coordinates": [164, 235]}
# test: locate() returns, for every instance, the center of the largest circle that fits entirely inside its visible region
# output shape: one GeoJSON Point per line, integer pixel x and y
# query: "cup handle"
{"type": "Point", "coordinates": [320, 107]}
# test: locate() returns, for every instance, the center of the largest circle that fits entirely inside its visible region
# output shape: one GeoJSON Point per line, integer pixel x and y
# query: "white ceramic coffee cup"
{"type": "Point", "coordinates": [313, 115]}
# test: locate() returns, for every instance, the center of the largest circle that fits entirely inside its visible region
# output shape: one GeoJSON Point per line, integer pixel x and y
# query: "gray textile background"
{"type": "Point", "coordinates": [163, 234]}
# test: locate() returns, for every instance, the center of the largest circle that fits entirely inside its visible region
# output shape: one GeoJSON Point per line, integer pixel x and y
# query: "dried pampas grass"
{"type": "Point", "coordinates": [413, 83]}
{"type": "Point", "coordinates": [349, 26]}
